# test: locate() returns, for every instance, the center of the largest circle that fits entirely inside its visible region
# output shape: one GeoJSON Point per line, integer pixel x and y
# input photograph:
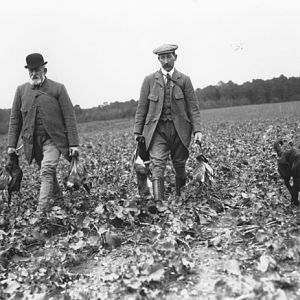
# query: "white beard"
{"type": "Point", "coordinates": [36, 81]}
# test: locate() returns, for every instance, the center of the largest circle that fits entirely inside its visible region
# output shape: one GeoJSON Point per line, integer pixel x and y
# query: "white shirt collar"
{"type": "Point", "coordinates": [165, 72]}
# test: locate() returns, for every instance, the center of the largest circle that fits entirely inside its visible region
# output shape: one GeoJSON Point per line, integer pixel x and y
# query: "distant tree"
{"type": "Point", "coordinates": [255, 92]}
{"type": "Point", "coordinates": [212, 96]}
{"type": "Point", "coordinates": [4, 119]}
{"type": "Point", "coordinates": [279, 89]}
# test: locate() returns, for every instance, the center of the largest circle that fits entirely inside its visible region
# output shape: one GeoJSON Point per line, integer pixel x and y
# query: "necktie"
{"type": "Point", "coordinates": [168, 78]}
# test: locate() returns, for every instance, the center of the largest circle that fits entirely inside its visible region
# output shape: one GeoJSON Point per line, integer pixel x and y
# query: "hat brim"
{"type": "Point", "coordinates": [165, 48]}
{"type": "Point", "coordinates": [35, 66]}
{"type": "Point", "coordinates": [165, 52]}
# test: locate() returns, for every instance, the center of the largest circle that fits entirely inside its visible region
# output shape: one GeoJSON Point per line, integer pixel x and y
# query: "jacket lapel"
{"type": "Point", "coordinates": [174, 79]}
{"type": "Point", "coordinates": [176, 75]}
{"type": "Point", "coordinates": [159, 78]}
{"type": "Point", "coordinates": [29, 96]}
{"type": "Point", "coordinates": [44, 87]}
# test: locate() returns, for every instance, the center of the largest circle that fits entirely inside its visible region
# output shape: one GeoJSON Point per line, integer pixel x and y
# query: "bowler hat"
{"type": "Point", "coordinates": [165, 48]}
{"type": "Point", "coordinates": [34, 60]}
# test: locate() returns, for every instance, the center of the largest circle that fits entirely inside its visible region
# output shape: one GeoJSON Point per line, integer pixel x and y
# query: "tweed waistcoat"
{"type": "Point", "coordinates": [166, 109]}
{"type": "Point", "coordinates": [39, 126]}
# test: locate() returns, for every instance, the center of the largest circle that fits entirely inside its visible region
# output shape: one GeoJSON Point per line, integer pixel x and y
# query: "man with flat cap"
{"type": "Point", "coordinates": [167, 116]}
{"type": "Point", "coordinates": [43, 114]}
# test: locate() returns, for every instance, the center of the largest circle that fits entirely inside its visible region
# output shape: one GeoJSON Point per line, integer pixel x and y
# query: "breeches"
{"type": "Point", "coordinates": [166, 142]}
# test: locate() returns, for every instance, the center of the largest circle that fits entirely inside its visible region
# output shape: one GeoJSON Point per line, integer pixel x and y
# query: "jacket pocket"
{"type": "Point", "coordinates": [179, 95]}
{"type": "Point", "coordinates": [150, 119]}
{"type": "Point", "coordinates": [153, 97]}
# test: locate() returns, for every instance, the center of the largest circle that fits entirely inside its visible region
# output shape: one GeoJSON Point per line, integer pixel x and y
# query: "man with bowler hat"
{"type": "Point", "coordinates": [42, 113]}
{"type": "Point", "coordinates": [167, 116]}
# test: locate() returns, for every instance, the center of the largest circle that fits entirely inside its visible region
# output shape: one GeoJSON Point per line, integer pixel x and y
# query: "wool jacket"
{"type": "Point", "coordinates": [184, 106]}
{"type": "Point", "coordinates": [57, 114]}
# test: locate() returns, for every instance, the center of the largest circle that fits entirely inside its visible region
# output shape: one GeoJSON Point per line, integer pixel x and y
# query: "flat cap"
{"type": "Point", "coordinates": [165, 48]}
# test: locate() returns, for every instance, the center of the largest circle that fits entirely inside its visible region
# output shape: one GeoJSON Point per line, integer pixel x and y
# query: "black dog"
{"type": "Point", "coordinates": [289, 166]}
{"type": "Point", "coordinates": [16, 174]}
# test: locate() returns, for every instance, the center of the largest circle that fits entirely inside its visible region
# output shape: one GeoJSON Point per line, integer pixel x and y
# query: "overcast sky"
{"type": "Point", "coordinates": [102, 50]}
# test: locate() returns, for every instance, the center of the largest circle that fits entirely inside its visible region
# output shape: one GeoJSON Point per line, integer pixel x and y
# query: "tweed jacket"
{"type": "Point", "coordinates": [184, 106]}
{"type": "Point", "coordinates": [57, 113]}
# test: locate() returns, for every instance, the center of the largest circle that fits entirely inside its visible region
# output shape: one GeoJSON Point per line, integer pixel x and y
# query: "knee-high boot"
{"type": "Point", "coordinates": [180, 183]}
{"type": "Point", "coordinates": [158, 189]}
{"type": "Point", "coordinates": [158, 195]}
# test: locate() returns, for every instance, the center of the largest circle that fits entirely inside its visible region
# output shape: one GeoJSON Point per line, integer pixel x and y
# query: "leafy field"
{"type": "Point", "coordinates": [236, 239]}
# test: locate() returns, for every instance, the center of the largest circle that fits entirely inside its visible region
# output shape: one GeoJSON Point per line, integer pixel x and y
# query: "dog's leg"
{"type": "Point", "coordinates": [287, 184]}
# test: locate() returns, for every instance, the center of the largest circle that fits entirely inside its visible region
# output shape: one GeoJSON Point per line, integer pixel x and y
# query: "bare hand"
{"type": "Point", "coordinates": [198, 138]}
{"type": "Point", "coordinates": [11, 150]}
{"type": "Point", "coordinates": [137, 137]}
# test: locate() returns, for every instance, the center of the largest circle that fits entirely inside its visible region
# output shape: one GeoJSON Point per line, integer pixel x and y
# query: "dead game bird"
{"type": "Point", "coordinates": [203, 173]}
{"type": "Point", "coordinates": [11, 176]}
{"type": "Point", "coordinates": [5, 179]}
{"type": "Point", "coordinates": [77, 176]}
{"type": "Point", "coordinates": [141, 161]}
{"type": "Point", "coordinates": [142, 174]}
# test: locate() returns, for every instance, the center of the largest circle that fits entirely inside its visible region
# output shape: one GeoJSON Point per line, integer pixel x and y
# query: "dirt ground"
{"type": "Point", "coordinates": [216, 274]}
{"type": "Point", "coordinates": [209, 269]}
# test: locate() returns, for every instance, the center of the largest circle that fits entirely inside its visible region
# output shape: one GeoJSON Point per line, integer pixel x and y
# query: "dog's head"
{"type": "Point", "coordinates": [277, 147]}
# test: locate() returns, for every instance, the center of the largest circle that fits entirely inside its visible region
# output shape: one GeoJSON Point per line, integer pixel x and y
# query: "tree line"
{"type": "Point", "coordinates": [257, 91]}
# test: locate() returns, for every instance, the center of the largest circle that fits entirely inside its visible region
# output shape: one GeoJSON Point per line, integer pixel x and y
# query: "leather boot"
{"type": "Point", "coordinates": [180, 183]}
{"type": "Point", "coordinates": [158, 189]}
{"type": "Point", "coordinates": [158, 194]}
